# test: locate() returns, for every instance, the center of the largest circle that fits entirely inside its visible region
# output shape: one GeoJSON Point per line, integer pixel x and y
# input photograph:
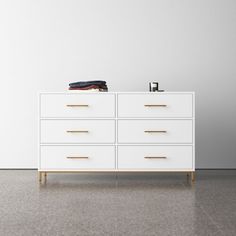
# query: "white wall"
{"type": "Point", "coordinates": [183, 44]}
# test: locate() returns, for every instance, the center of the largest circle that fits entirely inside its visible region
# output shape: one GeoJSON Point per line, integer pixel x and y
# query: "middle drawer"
{"type": "Point", "coordinates": [155, 131]}
{"type": "Point", "coordinates": [77, 131]}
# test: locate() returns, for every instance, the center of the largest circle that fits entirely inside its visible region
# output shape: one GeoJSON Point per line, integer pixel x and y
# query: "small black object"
{"type": "Point", "coordinates": [154, 87]}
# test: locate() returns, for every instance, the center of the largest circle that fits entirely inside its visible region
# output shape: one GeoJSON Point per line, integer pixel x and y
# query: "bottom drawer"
{"type": "Point", "coordinates": [155, 157]}
{"type": "Point", "coordinates": [77, 157]}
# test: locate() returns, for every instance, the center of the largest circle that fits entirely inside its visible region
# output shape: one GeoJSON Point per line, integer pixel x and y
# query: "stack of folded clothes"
{"type": "Point", "coordinates": [94, 85]}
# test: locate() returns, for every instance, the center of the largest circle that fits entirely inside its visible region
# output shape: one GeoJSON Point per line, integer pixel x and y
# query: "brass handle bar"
{"type": "Point", "coordinates": [77, 131]}
{"type": "Point", "coordinates": [155, 131]}
{"type": "Point", "coordinates": [77, 157]}
{"type": "Point", "coordinates": [155, 105]}
{"type": "Point", "coordinates": [77, 105]}
{"type": "Point", "coordinates": [155, 157]}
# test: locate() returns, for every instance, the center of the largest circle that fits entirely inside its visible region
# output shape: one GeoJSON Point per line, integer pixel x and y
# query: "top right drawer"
{"type": "Point", "coordinates": [153, 105]}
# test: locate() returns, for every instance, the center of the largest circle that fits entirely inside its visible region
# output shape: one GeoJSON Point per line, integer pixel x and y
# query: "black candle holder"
{"type": "Point", "coordinates": [154, 87]}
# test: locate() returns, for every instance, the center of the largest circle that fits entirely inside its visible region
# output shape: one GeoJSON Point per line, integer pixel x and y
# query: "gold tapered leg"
{"type": "Point", "coordinates": [187, 176]}
{"type": "Point", "coordinates": [193, 176]}
{"type": "Point", "coordinates": [40, 177]}
{"type": "Point", "coordinates": [45, 177]}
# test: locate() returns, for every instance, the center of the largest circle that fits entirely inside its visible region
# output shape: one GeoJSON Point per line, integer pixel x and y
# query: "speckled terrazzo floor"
{"type": "Point", "coordinates": [127, 204]}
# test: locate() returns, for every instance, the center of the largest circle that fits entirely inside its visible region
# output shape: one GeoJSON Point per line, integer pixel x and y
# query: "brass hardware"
{"type": "Point", "coordinates": [192, 176]}
{"type": "Point", "coordinates": [155, 131]}
{"type": "Point", "coordinates": [77, 157]}
{"type": "Point", "coordinates": [77, 131]}
{"type": "Point", "coordinates": [77, 105]}
{"type": "Point", "coordinates": [115, 171]}
{"type": "Point", "coordinates": [40, 177]}
{"type": "Point", "coordinates": [45, 177]}
{"type": "Point", "coordinates": [155, 105]}
{"type": "Point", "coordinates": [155, 157]}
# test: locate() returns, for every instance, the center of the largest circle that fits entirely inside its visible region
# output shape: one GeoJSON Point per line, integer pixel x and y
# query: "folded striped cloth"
{"type": "Point", "coordinates": [87, 85]}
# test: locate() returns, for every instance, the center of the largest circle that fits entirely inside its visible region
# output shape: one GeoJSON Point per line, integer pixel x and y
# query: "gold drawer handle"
{"type": "Point", "coordinates": [77, 105]}
{"type": "Point", "coordinates": [77, 157]}
{"type": "Point", "coordinates": [77, 131]}
{"type": "Point", "coordinates": [155, 105]}
{"type": "Point", "coordinates": [155, 157]}
{"type": "Point", "coordinates": [155, 131]}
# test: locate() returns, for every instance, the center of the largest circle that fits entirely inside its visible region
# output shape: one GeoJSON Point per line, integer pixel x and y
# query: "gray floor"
{"type": "Point", "coordinates": [127, 204]}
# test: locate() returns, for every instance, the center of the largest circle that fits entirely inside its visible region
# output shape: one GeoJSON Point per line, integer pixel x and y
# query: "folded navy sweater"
{"type": "Point", "coordinates": [82, 84]}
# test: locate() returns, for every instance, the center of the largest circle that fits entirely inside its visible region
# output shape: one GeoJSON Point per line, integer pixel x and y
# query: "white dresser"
{"type": "Point", "coordinates": [116, 132]}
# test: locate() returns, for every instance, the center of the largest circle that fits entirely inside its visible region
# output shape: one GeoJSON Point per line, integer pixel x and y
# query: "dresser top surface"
{"type": "Point", "coordinates": [126, 92]}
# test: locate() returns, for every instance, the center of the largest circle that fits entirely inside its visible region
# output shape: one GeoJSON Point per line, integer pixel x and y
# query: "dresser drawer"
{"type": "Point", "coordinates": [77, 105]}
{"type": "Point", "coordinates": [155, 105]}
{"type": "Point", "coordinates": [77, 157]}
{"type": "Point", "coordinates": [155, 157]}
{"type": "Point", "coordinates": [155, 131]}
{"type": "Point", "coordinates": [77, 131]}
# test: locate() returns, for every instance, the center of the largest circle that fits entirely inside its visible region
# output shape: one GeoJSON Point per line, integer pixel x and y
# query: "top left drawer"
{"type": "Point", "coordinates": [77, 105]}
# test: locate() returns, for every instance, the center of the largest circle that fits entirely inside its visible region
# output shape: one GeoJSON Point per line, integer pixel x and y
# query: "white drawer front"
{"type": "Point", "coordinates": [78, 105]}
{"type": "Point", "coordinates": [77, 131]}
{"type": "Point", "coordinates": [155, 157]}
{"type": "Point", "coordinates": [155, 131]}
{"type": "Point", "coordinates": [155, 105]}
{"type": "Point", "coordinates": [77, 157]}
